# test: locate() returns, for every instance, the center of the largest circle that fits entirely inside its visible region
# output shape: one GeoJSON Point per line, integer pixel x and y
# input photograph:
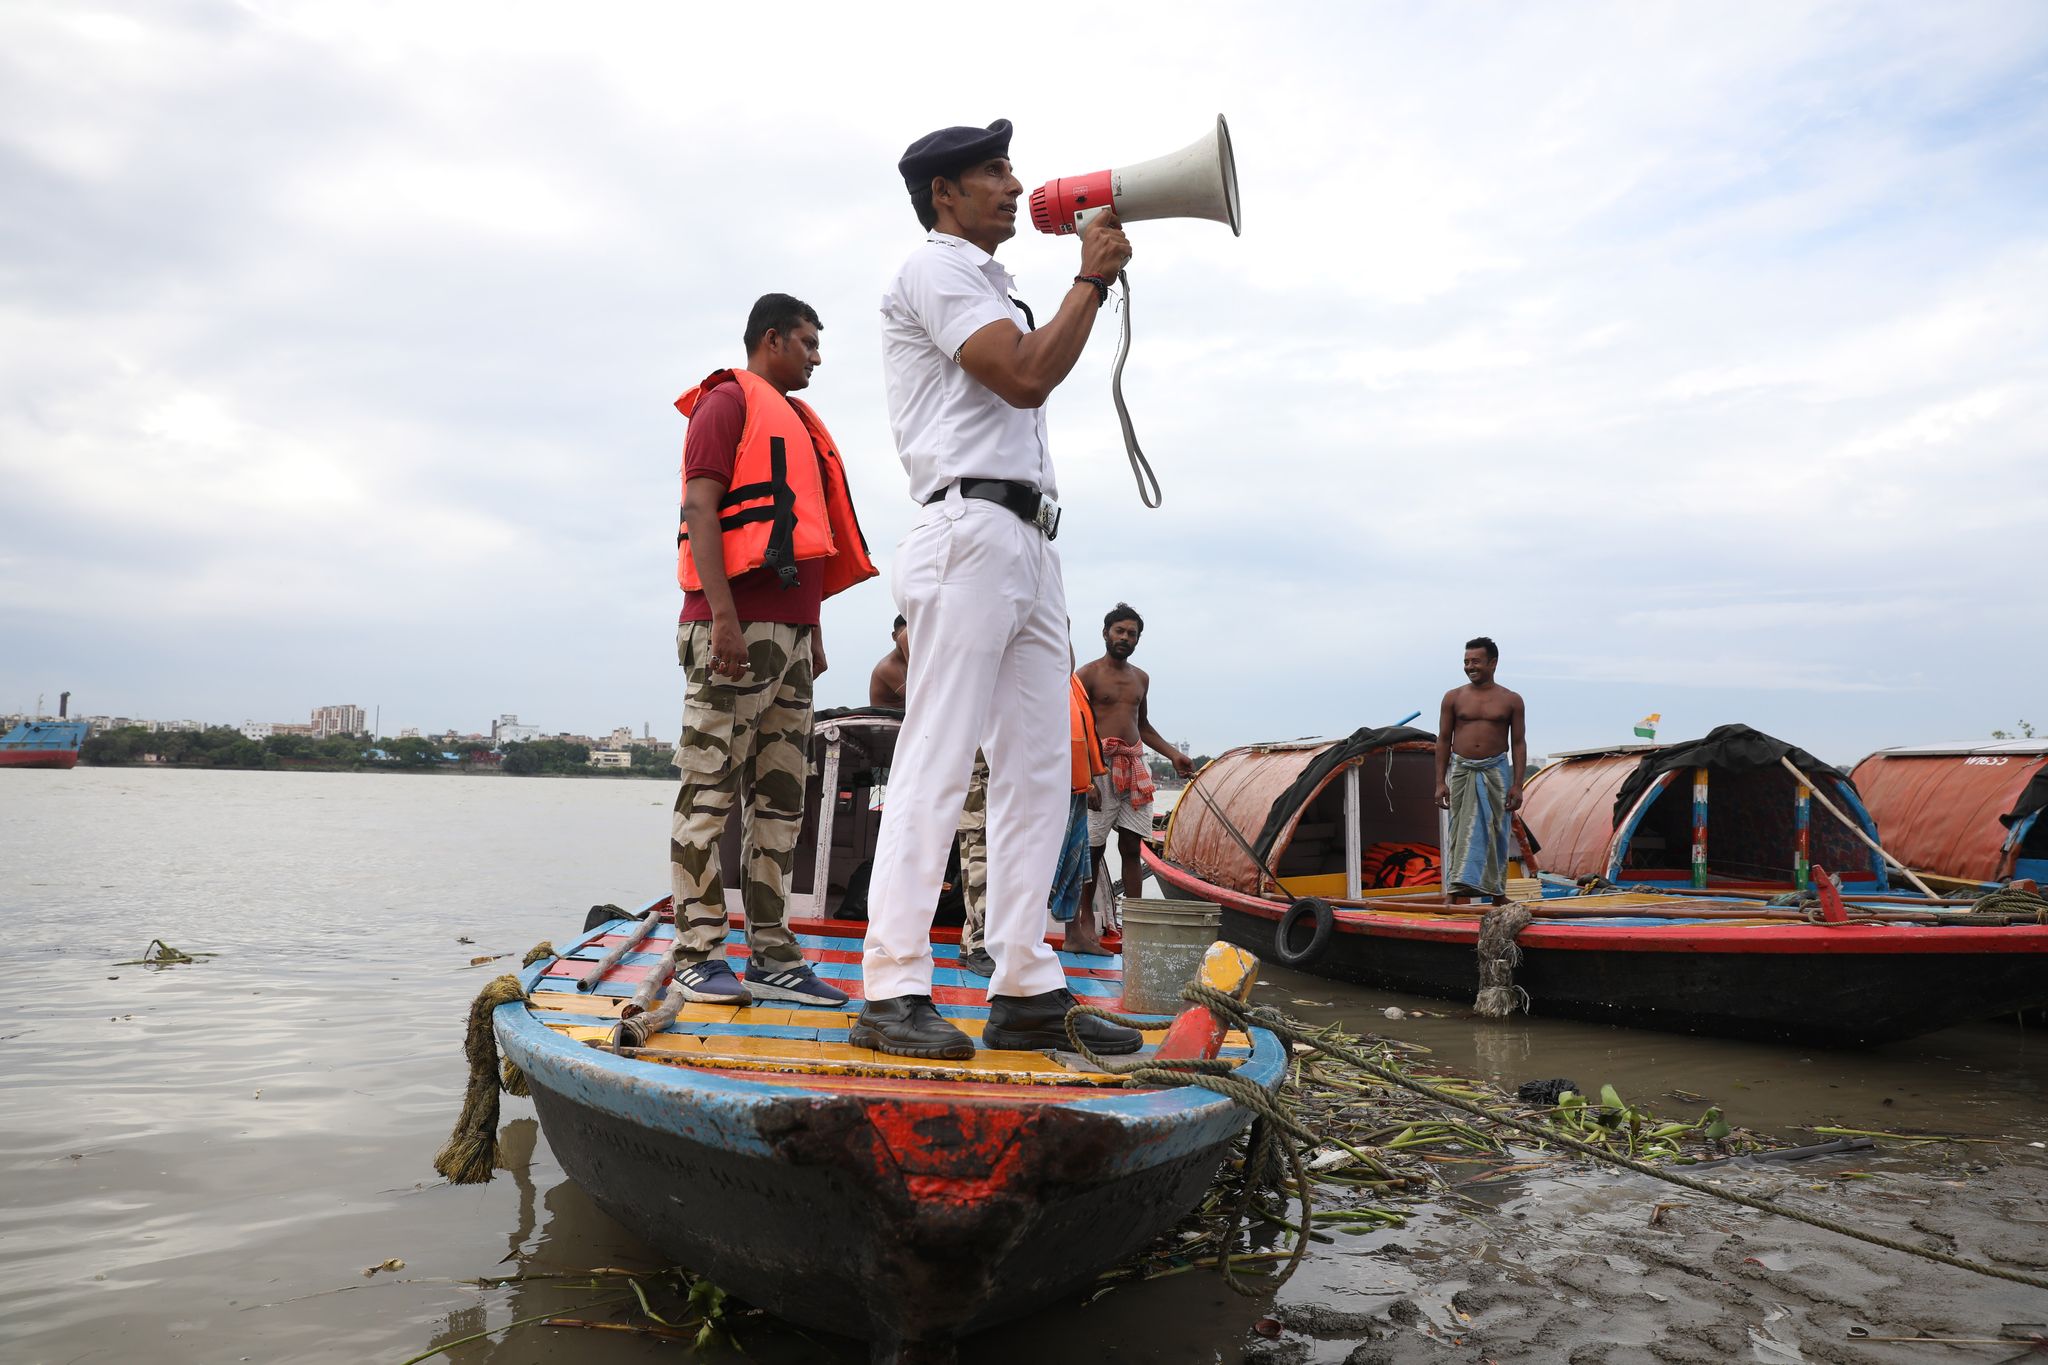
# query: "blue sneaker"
{"type": "Point", "coordinates": [799, 985]}
{"type": "Point", "coordinates": [711, 983]}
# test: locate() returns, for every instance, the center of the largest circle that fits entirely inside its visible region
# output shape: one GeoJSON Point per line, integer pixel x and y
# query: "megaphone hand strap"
{"type": "Point", "coordinates": [1141, 468]}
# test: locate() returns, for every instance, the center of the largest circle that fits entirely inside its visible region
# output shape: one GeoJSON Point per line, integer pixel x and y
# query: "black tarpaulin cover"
{"type": "Point", "coordinates": [2032, 798]}
{"type": "Point", "coordinates": [1726, 749]}
{"type": "Point", "coordinates": [1360, 741]}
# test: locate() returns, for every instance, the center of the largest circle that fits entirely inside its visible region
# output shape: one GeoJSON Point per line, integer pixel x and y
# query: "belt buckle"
{"type": "Point", "coordinates": [1047, 517]}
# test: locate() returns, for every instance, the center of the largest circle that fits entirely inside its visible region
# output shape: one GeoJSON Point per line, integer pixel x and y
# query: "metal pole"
{"type": "Point", "coordinates": [1354, 850]}
{"type": "Point", "coordinates": [828, 806]}
{"type": "Point", "coordinates": [1699, 827]}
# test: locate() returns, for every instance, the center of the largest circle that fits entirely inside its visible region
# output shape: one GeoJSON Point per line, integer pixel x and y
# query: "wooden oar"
{"type": "Point", "coordinates": [1857, 829]}
{"type": "Point", "coordinates": [1733, 893]}
{"type": "Point", "coordinates": [1544, 910]}
{"type": "Point", "coordinates": [611, 959]}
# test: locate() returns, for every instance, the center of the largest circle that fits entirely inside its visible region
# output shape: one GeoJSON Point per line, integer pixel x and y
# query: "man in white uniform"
{"type": "Point", "coordinates": [979, 581]}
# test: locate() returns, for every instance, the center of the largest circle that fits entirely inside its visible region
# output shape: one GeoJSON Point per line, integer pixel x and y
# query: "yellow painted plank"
{"type": "Point", "coordinates": [607, 1007]}
{"type": "Point", "coordinates": [777, 1049]}
{"type": "Point", "coordinates": [779, 1017]}
{"type": "Point", "coordinates": [877, 1064]}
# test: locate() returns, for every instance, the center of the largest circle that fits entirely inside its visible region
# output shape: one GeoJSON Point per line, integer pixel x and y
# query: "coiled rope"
{"type": "Point", "coordinates": [1268, 1108]}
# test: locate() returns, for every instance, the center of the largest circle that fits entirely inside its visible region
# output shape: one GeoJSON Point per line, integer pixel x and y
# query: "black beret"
{"type": "Point", "coordinates": [951, 150]}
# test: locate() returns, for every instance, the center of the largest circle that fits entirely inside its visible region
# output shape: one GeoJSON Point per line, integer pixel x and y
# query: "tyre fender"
{"type": "Point", "coordinates": [1313, 908]}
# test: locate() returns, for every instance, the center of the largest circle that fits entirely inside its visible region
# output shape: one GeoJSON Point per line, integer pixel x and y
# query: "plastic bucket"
{"type": "Point", "coordinates": [1164, 942]}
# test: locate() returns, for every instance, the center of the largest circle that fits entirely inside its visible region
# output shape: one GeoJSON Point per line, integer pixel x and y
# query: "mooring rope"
{"type": "Point", "coordinates": [2011, 900]}
{"type": "Point", "coordinates": [1266, 1153]}
{"type": "Point", "coordinates": [1266, 1105]}
{"type": "Point", "coordinates": [471, 1152]}
{"type": "Point", "coordinates": [1500, 952]}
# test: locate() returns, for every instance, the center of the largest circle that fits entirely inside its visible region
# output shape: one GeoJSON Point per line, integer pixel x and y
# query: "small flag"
{"type": "Point", "coordinates": [1646, 728]}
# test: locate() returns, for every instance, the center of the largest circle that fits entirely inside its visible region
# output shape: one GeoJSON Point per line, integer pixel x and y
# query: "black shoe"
{"type": "Point", "coordinates": [909, 1026]}
{"type": "Point", "coordinates": [978, 962]}
{"type": "Point", "coordinates": [1030, 1023]}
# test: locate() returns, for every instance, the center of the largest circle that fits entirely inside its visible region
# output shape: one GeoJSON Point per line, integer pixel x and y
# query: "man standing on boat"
{"type": "Point", "coordinates": [768, 532]}
{"type": "Point", "coordinates": [967, 377]}
{"type": "Point", "coordinates": [1120, 694]}
{"type": "Point", "coordinates": [886, 682]}
{"type": "Point", "coordinates": [1481, 752]}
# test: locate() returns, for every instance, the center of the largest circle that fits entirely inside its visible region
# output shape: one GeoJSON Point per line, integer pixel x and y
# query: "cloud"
{"type": "Point", "coordinates": [1675, 351]}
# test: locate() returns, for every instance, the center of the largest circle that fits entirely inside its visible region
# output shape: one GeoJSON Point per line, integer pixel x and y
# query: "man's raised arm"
{"type": "Point", "coordinates": [1023, 368]}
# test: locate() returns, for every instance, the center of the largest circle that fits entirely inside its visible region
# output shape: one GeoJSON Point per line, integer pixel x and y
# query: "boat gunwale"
{"type": "Point", "coordinates": [1809, 939]}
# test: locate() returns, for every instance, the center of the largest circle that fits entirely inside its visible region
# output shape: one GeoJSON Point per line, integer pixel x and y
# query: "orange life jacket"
{"type": "Point", "coordinates": [1400, 864]}
{"type": "Point", "coordinates": [1087, 764]}
{"type": "Point", "coordinates": [788, 499]}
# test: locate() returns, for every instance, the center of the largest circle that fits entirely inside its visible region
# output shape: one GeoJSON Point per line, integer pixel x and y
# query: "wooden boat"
{"type": "Point", "coordinates": [1965, 814]}
{"type": "Point", "coordinates": [1278, 837]}
{"type": "Point", "coordinates": [1720, 812]}
{"type": "Point", "coordinates": [907, 1202]}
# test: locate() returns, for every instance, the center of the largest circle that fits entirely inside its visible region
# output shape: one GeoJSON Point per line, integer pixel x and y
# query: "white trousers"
{"type": "Point", "coordinates": [986, 613]}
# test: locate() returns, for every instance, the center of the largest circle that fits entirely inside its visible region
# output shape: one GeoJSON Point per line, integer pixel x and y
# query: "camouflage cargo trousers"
{"type": "Point", "coordinates": [974, 856]}
{"type": "Point", "coordinates": [751, 734]}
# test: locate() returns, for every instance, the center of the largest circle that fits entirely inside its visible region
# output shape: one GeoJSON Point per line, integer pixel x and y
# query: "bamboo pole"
{"type": "Point", "coordinates": [1802, 821]}
{"type": "Point", "coordinates": [1857, 830]}
{"type": "Point", "coordinates": [1699, 827]}
{"type": "Point", "coordinates": [611, 959]}
{"type": "Point", "coordinates": [1553, 910]}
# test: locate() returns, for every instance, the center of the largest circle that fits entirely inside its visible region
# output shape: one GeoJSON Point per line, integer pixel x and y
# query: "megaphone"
{"type": "Point", "coordinates": [1198, 181]}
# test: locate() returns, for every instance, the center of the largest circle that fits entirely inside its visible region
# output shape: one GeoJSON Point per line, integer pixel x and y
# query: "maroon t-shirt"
{"type": "Point", "coordinates": [710, 449]}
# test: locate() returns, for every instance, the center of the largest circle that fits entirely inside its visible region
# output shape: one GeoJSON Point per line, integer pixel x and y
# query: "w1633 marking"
{"type": "Point", "coordinates": [1985, 761]}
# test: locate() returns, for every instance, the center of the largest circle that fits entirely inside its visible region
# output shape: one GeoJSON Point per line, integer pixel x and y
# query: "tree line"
{"type": "Point", "coordinates": [221, 746]}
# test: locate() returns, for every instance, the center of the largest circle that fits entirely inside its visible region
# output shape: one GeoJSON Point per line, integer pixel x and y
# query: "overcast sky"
{"type": "Point", "coordinates": [1696, 353]}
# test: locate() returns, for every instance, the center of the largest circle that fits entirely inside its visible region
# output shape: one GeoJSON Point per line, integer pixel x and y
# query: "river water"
{"type": "Point", "coordinates": [200, 1162]}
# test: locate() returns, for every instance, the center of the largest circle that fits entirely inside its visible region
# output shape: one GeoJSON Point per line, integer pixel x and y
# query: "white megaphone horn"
{"type": "Point", "coordinates": [1198, 181]}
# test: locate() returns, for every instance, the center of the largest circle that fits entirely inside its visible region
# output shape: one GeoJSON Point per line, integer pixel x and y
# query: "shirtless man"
{"type": "Point", "coordinates": [1123, 796]}
{"type": "Point", "coordinates": [1481, 752]}
{"type": "Point", "coordinates": [886, 683]}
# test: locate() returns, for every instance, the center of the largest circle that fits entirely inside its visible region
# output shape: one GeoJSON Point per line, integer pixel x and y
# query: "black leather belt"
{"type": "Point", "coordinates": [1027, 502]}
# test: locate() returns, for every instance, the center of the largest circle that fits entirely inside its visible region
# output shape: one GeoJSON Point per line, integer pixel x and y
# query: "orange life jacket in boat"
{"type": "Point", "coordinates": [1400, 864]}
{"type": "Point", "coordinates": [1087, 765]}
{"type": "Point", "coordinates": [788, 499]}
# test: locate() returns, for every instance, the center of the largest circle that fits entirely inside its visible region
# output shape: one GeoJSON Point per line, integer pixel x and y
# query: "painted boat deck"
{"type": "Point", "coordinates": [790, 1042]}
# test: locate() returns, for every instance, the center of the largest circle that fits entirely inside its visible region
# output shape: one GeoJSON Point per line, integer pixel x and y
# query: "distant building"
{"type": "Point", "coordinates": [506, 729]}
{"type": "Point", "coordinates": [258, 729]}
{"type": "Point", "coordinates": [339, 720]}
{"type": "Point", "coordinates": [621, 738]}
{"type": "Point", "coordinates": [291, 727]}
{"type": "Point", "coordinates": [409, 732]}
{"type": "Point", "coordinates": [611, 758]}
{"type": "Point", "coordinates": [158, 727]}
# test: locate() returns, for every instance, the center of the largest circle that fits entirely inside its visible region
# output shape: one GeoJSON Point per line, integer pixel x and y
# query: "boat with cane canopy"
{"type": "Point", "coordinates": [908, 1202]}
{"type": "Point", "coordinates": [1285, 838]}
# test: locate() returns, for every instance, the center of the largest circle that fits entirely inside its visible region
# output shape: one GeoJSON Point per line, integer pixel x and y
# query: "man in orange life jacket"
{"type": "Point", "coordinates": [768, 532]}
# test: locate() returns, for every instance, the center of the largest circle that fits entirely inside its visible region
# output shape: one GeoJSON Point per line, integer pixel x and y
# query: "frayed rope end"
{"type": "Point", "coordinates": [471, 1151]}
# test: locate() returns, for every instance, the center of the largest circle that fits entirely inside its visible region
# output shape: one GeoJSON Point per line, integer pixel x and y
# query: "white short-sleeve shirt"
{"type": "Point", "coordinates": [948, 424]}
